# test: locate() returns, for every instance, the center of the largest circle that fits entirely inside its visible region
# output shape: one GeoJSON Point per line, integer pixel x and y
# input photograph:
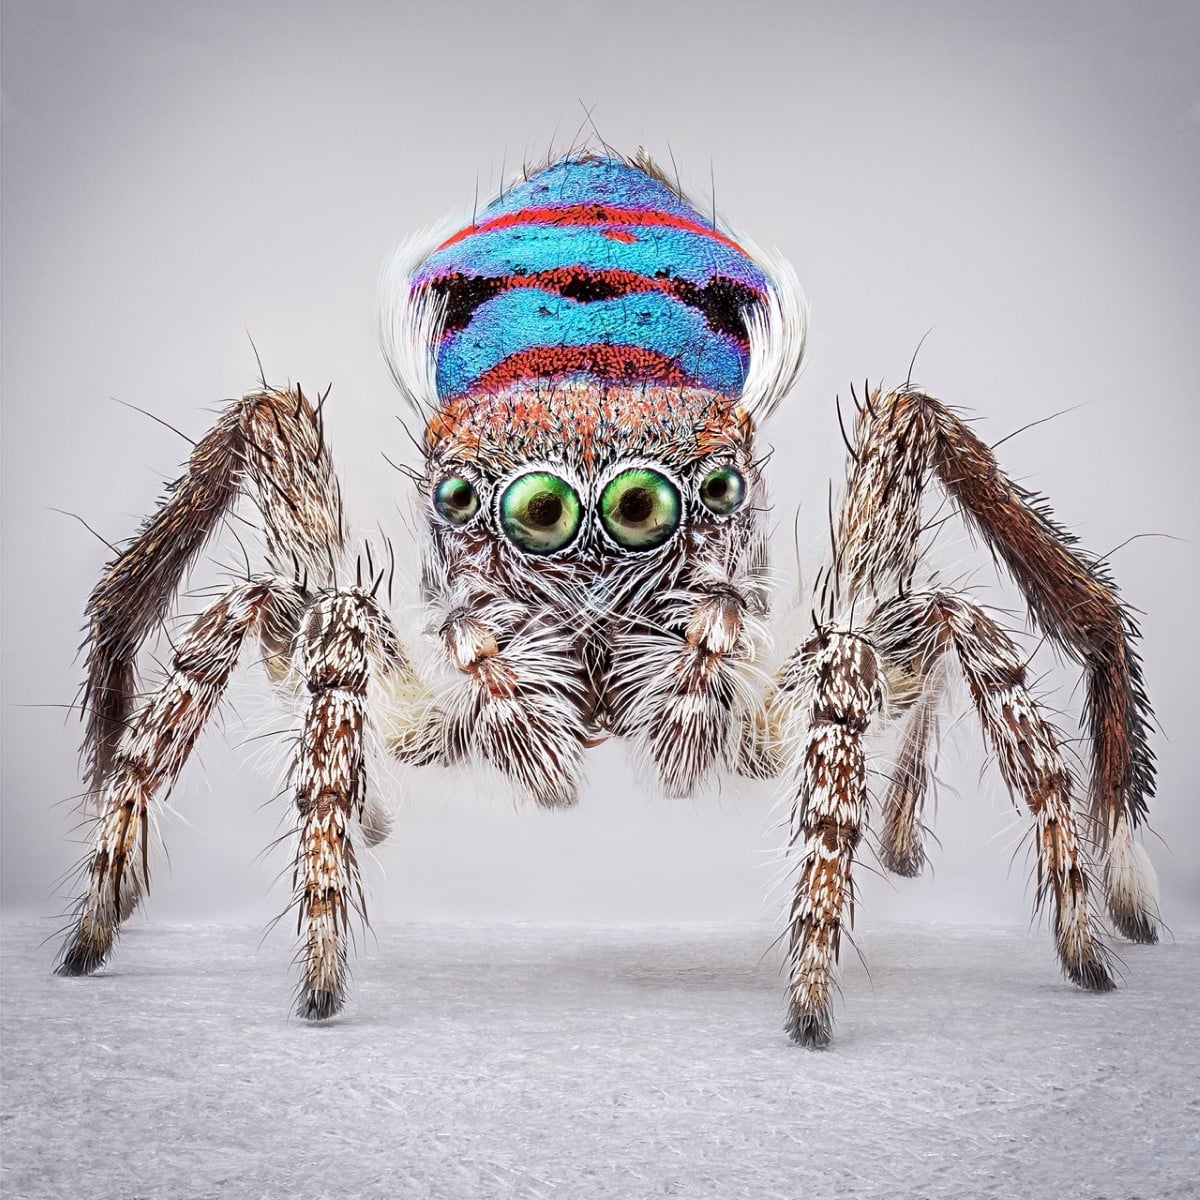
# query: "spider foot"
{"type": "Point", "coordinates": [814, 1030]}
{"type": "Point", "coordinates": [325, 972]}
{"type": "Point", "coordinates": [85, 951]}
{"type": "Point", "coordinates": [1090, 973]}
{"type": "Point", "coordinates": [1132, 888]}
{"type": "Point", "coordinates": [1137, 926]}
{"type": "Point", "coordinates": [319, 1004]}
{"type": "Point", "coordinates": [907, 859]}
{"type": "Point", "coordinates": [1084, 959]}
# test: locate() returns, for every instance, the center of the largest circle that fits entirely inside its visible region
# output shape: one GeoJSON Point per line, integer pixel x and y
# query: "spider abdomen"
{"type": "Point", "coordinates": [591, 268]}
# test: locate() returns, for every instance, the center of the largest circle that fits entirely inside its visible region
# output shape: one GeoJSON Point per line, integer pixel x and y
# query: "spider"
{"type": "Point", "coordinates": [591, 360]}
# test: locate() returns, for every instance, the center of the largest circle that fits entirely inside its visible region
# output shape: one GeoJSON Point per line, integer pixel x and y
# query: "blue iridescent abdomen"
{"type": "Point", "coordinates": [593, 268]}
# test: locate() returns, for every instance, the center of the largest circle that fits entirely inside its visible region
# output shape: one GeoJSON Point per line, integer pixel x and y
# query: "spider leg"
{"type": "Point", "coordinates": [830, 690]}
{"type": "Point", "coordinates": [904, 437]}
{"type": "Point", "coordinates": [901, 846]}
{"type": "Point", "coordinates": [921, 627]}
{"type": "Point", "coordinates": [270, 440]}
{"type": "Point", "coordinates": [333, 653]}
{"type": "Point", "coordinates": [148, 758]}
{"type": "Point", "coordinates": [317, 641]}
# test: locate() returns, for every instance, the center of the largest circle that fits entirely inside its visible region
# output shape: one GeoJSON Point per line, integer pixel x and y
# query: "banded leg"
{"type": "Point", "coordinates": [904, 437]}
{"type": "Point", "coordinates": [921, 627]}
{"type": "Point", "coordinates": [333, 654]}
{"type": "Point", "coordinates": [148, 759]}
{"type": "Point", "coordinates": [838, 678]}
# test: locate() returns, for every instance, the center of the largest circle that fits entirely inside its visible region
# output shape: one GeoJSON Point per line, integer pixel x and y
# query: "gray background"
{"type": "Point", "coordinates": [1020, 179]}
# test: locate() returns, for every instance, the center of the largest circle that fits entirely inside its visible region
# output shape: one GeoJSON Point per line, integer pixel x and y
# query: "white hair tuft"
{"type": "Point", "coordinates": [1130, 875]}
{"type": "Point", "coordinates": [410, 322]}
{"type": "Point", "coordinates": [778, 332]}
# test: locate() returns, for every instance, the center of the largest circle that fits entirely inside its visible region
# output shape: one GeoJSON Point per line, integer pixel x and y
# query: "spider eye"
{"type": "Point", "coordinates": [456, 500]}
{"type": "Point", "coordinates": [723, 490]}
{"type": "Point", "coordinates": [639, 509]}
{"type": "Point", "coordinates": [540, 512]}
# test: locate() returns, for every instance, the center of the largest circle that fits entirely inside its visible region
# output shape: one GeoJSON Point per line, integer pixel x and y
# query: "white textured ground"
{"type": "Point", "coordinates": [572, 1063]}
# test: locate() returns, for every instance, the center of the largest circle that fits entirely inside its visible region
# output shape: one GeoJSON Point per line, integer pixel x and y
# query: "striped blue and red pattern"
{"type": "Point", "coordinates": [593, 268]}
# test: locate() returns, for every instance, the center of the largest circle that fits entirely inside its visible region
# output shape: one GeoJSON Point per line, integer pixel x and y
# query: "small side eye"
{"type": "Point", "coordinates": [455, 500]}
{"type": "Point", "coordinates": [540, 512]}
{"type": "Point", "coordinates": [723, 490]}
{"type": "Point", "coordinates": [639, 509]}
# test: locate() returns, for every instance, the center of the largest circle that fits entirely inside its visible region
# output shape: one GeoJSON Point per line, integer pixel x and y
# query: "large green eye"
{"type": "Point", "coordinates": [640, 509]}
{"type": "Point", "coordinates": [455, 500]}
{"type": "Point", "coordinates": [540, 512]}
{"type": "Point", "coordinates": [723, 490]}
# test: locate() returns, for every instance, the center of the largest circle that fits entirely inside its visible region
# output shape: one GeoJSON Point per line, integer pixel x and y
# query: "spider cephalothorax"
{"type": "Point", "coordinates": [603, 517]}
{"type": "Point", "coordinates": [591, 359]}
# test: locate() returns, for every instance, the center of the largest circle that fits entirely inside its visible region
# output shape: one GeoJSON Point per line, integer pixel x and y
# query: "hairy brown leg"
{"type": "Point", "coordinates": [921, 627]}
{"type": "Point", "coordinates": [333, 656]}
{"type": "Point", "coordinates": [901, 847]}
{"type": "Point", "coordinates": [904, 437]}
{"type": "Point", "coordinates": [832, 689]}
{"type": "Point", "coordinates": [270, 441]}
{"type": "Point", "coordinates": [152, 752]}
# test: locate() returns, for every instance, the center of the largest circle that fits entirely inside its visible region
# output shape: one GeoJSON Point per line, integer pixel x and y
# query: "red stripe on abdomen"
{"type": "Point", "coordinates": [624, 364]}
{"type": "Point", "coordinates": [591, 214]}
